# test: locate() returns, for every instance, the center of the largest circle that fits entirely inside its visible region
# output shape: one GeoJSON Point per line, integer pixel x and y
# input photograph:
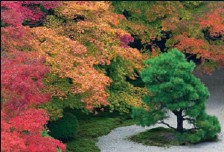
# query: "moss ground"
{"type": "Point", "coordinates": [156, 137]}
{"type": "Point", "coordinates": [165, 137]}
{"type": "Point", "coordinates": [92, 127]}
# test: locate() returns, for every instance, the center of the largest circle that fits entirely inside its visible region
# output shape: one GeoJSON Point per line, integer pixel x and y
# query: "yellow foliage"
{"type": "Point", "coordinates": [88, 38]}
{"type": "Point", "coordinates": [67, 59]}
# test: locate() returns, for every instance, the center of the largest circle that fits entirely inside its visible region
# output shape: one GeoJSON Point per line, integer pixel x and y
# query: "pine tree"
{"type": "Point", "coordinates": [174, 88]}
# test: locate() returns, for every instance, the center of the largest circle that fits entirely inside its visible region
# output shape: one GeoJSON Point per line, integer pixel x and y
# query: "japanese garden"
{"type": "Point", "coordinates": [112, 76]}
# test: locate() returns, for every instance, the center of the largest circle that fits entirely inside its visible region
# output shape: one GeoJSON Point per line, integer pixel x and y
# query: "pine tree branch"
{"type": "Point", "coordinates": [192, 121]}
{"type": "Point", "coordinates": [189, 119]}
{"type": "Point", "coordinates": [162, 122]}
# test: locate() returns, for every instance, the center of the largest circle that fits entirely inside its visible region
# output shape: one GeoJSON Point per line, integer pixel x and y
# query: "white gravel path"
{"type": "Point", "coordinates": [116, 140]}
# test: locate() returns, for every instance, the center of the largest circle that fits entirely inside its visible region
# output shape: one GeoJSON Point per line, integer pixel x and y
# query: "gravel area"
{"type": "Point", "coordinates": [116, 140]}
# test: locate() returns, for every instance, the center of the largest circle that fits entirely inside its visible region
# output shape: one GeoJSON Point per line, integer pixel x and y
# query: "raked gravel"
{"type": "Point", "coordinates": [116, 140]}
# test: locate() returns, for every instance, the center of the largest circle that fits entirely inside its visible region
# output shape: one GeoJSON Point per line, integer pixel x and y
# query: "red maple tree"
{"type": "Point", "coordinates": [21, 78]}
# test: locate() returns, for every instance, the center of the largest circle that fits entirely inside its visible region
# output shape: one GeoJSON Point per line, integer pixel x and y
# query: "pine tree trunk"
{"type": "Point", "coordinates": [180, 120]}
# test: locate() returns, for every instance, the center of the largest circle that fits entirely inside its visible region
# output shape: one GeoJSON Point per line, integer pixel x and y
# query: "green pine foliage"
{"type": "Point", "coordinates": [174, 88]}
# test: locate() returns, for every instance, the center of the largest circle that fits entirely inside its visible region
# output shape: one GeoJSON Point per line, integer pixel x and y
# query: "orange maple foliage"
{"type": "Point", "coordinates": [82, 44]}
{"type": "Point", "coordinates": [68, 58]}
{"type": "Point", "coordinates": [195, 28]}
{"type": "Point", "coordinates": [214, 20]}
{"type": "Point", "coordinates": [192, 45]}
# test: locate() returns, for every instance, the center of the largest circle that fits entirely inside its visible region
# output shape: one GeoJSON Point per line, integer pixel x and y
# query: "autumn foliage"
{"type": "Point", "coordinates": [82, 55]}
{"type": "Point", "coordinates": [21, 79]}
{"type": "Point", "coordinates": [195, 28]}
{"type": "Point", "coordinates": [57, 49]}
{"type": "Point", "coordinates": [24, 10]}
{"type": "Point", "coordinates": [87, 41]}
{"type": "Point", "coordinates": [22, 75]}
{"type": "Point", "coordinates": [27, 61]}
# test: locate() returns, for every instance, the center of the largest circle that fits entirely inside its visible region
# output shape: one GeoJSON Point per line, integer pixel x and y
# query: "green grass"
{"type": "Point", "coordinates": [160, 136]}
{"type": "Point", "coordinates": [92, 127]}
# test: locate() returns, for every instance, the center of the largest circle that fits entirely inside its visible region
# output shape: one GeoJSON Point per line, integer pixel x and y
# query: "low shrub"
{"type": "Point", "coordinates": [64, 128]}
